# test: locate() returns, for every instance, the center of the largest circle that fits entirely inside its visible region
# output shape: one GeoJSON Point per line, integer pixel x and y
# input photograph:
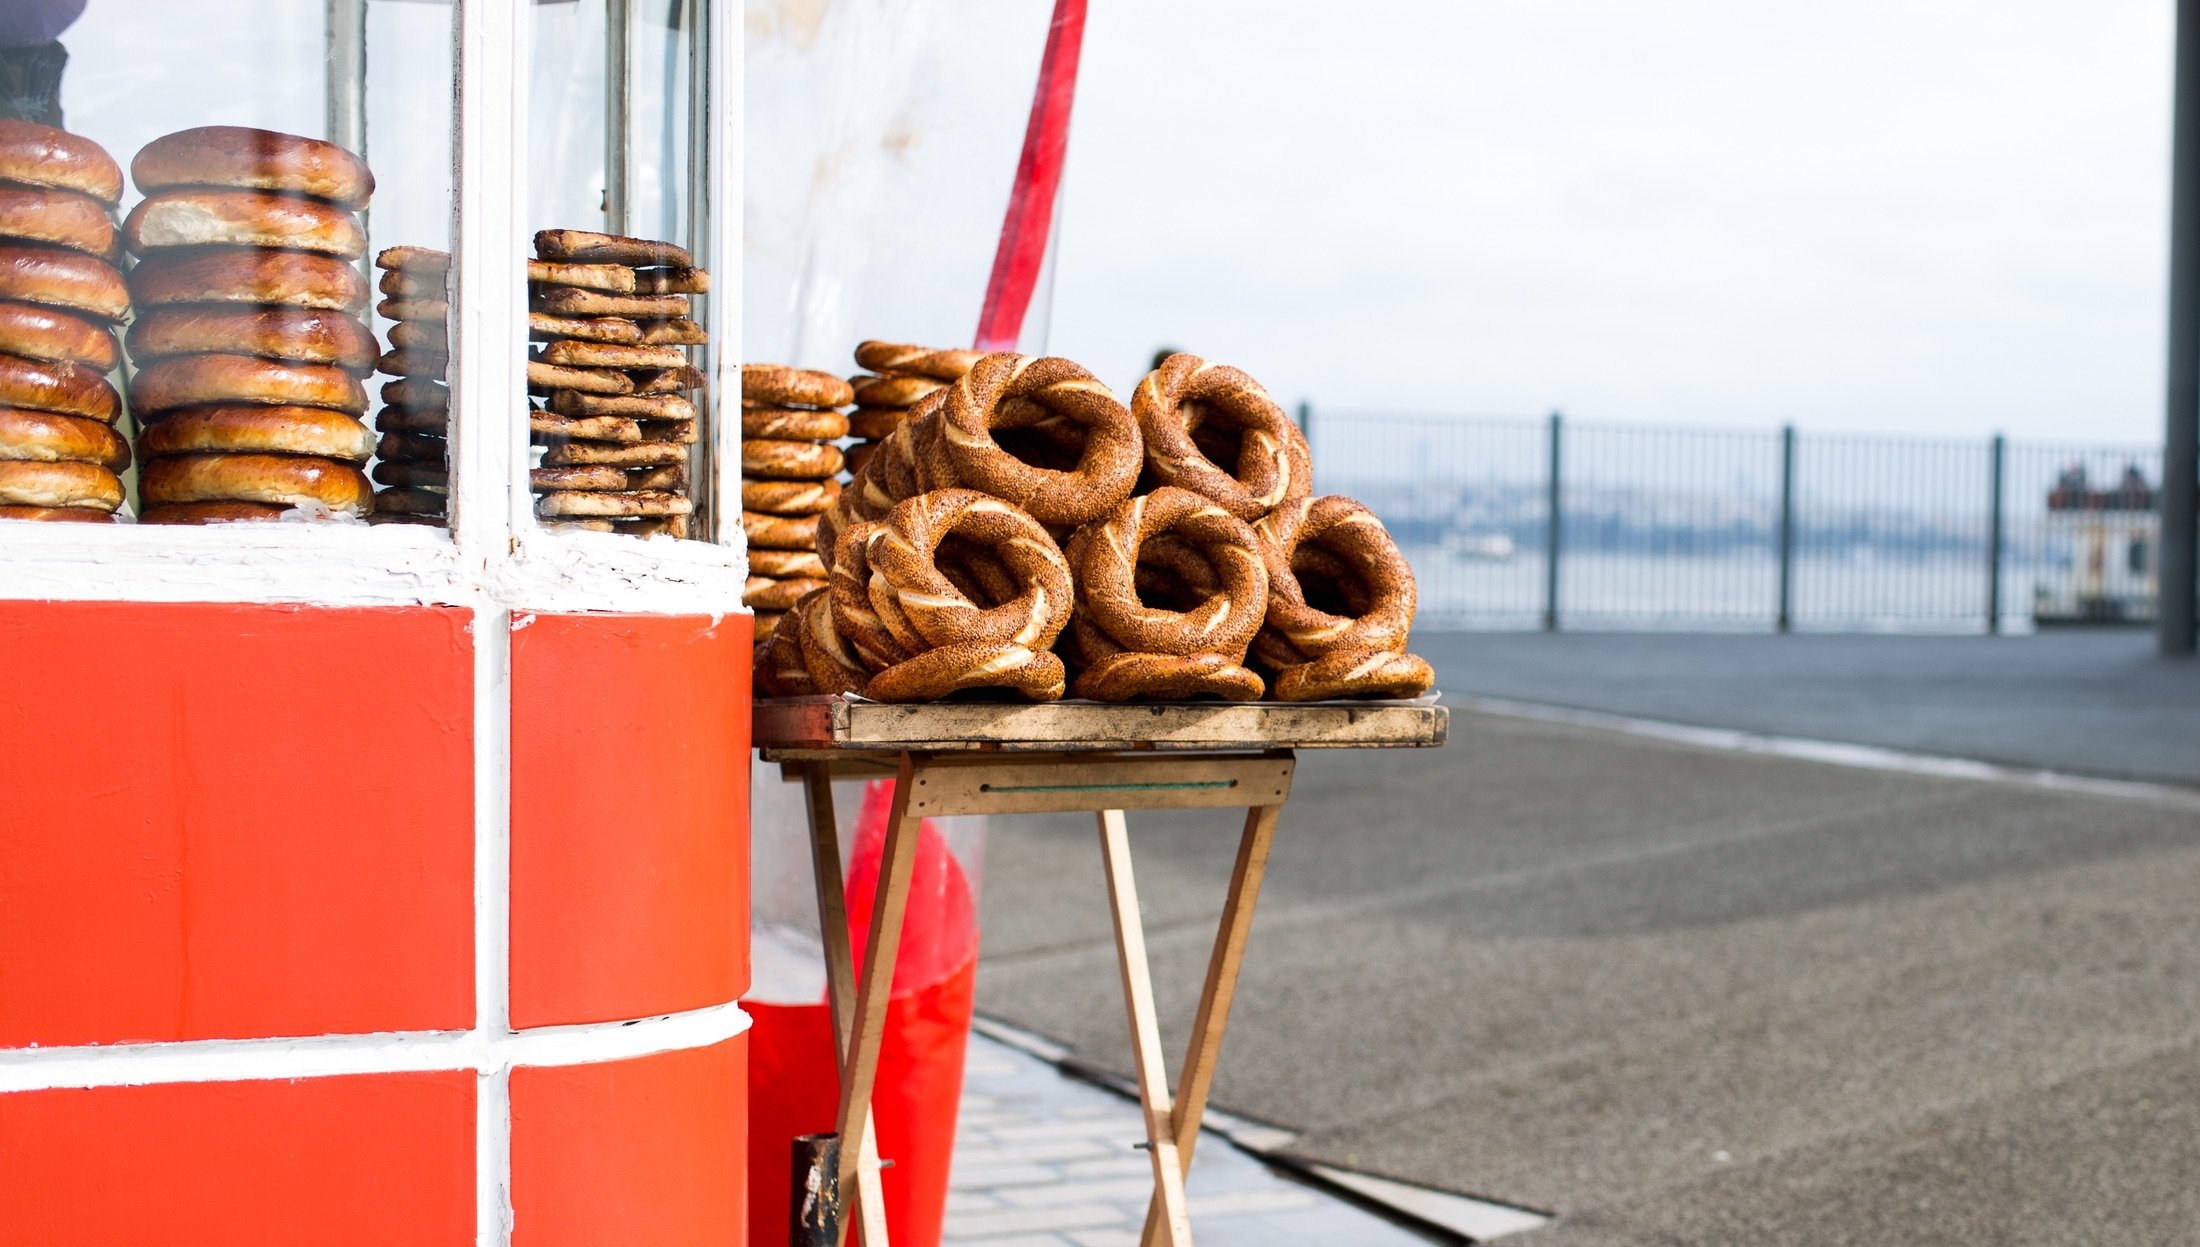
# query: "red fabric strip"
{"type": "Point", "coordinates": [1030, 215]}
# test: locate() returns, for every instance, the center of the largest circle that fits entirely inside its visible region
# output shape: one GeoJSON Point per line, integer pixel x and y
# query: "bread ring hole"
{"type": "Point", "coordinates": [1172, 574]}
{"type": "Point", "coordinates": [1218, 435]}
{"type": "Point", "coordinates": [1330, 583]}
{"type": "Point", "coordinates": [977, 572]}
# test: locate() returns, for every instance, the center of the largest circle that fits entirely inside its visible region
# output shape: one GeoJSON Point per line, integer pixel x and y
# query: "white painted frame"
{"type": "Point", "coordinates": [495, 557]}
{"type": "Point", "coordinates": [496, 560]}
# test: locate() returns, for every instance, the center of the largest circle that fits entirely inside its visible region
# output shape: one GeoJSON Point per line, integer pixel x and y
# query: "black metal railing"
{"type": "Point", "coordinates": [1780, 528]}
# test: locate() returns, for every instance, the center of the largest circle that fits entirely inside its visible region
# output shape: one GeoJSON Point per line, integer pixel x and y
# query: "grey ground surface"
{"type": "Point", "coordinates": [2089, 700]}
{"type": "Point", "coordinates": [1045, 1161]}
{"type": "Point", "coordinates": [1673, 995]}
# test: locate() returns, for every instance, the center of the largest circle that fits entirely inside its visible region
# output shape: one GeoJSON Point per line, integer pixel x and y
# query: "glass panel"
{"type": "Point", "coordinates": [248, 219]}
{"type": "Point", "coordinates": [619, 287]}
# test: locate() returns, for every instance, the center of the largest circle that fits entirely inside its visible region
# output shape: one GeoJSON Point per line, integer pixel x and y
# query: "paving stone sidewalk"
{"type": "Point", "coordinates": [1043, 1160]}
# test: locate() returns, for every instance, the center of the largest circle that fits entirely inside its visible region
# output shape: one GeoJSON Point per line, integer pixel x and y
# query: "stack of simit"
{"type": "Point", "coordinates": [247, 343]}
{"type": "Point", "coordinates": [789, 417]}
{"type": "Point", "coordinates": [900, 377]}
{"type": "Point", "coordinates": [614, 318]}
{"type": "Point", "coordinates": [60, 297]}
{"type": "Point", "coordinates": [415, 421]}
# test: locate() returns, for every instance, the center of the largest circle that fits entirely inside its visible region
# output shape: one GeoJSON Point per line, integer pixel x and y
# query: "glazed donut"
{"type": "Point", "coordinates": [418, 393]}
{"type": "Point", "coordinates": [787, 564]}
{"type": "Point", "coordinates": [549, 426]}
{"type": "Point", "coordinates": [793, 424]}
{"type": "Point", "coordinates": [876, 423]}
{"type": "Point", "coordinates": [779, 532]}
{"type": "Point", "coordinates": [668, 380]}
{"type": "Point", "coordinates": [622, 455]}
{"type": "Point", "coordinates": [413, 448]}
{"type": "Point", "coordinates": [46, 437]}
{"type": "Point", "coordinates": [542, 326]}
{"type": "Point", "coordinates": [258, 430]}
{"type": "Point", "coordinates": [1338, 532]}
{"type": "Point", "coordinates": [573, 353]}
{"type": "Point", "coordinates": [1016, 391]}
{"type": "Point", "coordinates": [413, 260]}
{"type": "Point", "coordinates": [219, 218]}
{"type": "Point", "coordinates": [213, 512]}
{"type": "Point", "coordinates": [435, 310]}
{"type": "Point", "coordinates": [585, 247]}
{"type": "Point", "coordinates": [636, 406]}
{"type": "Point", "coordinates": [572, 301]}
{"type": "Point", "coordinates": [36, 155]}
{"type": "Point", "coordinates": [764, 593]}
{"type": "Point", "coordinates": [1111, 617]}
{"type": "Point", "coordinates": [674, 279]}
{"type": "Point", "coordinates": [611, 505]}
{"type": "Point", "coordinates": [547, 377]}
{"type": "Point", "coordinates": [58, 483]}
{"type": "Point", "coordinates": [413, 475]}
{"type": "Point", "coordinates": [789, 461]}
{"type": "Point", "coordinates": [678, 331]}
{"type": "Point", "coordinates": [402, 362]}
{"type": "Point", "coordinates": [922, 361]}
{"type": "Point", "coordinates": [290, 480]}
{"type": "Point", "coordinates": [609, 278]}
{"type": "Point", "coordinates": [69, 279]}
{"type": "Point", "coordinates": [421, 335]}
{"type": "Point", "coordinates": [58, 515]}
{"type": "Point", "coordinates": [305, 335]}
{"type": "Point", "coordinates": [789, 497]}
{"type": "Point", "coordinates": [252, 159]}
{"type": "Point", "coordinates": [57, 385]}
{"type": "Point", "coordinates": [44, 333]}
{"type": "Point", "coordinates": [412, 420]}
{"type": "Point", "coordinates": [62, 218]}
{"type": "Point", "coordinates": [894, 391]}
{"type": "Point", "coordinates": [922, 608]}
{"type": "Point", "coordinates": [198, 380]}
{"type": "Point", "coordinates": [781, 386]}
{"type": "Point", "coordinates": [248, 275]}
{"type": "Point", "coordinates": [411, 500]}
{"type": "Point", "coordinates": [1186, 396]}
{"type": "Point", "coordinates": [399, 285]}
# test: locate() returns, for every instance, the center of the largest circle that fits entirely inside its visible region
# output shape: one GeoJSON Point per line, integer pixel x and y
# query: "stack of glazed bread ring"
{"type": "Point", "coordinates": [899, 378]}
{"type": "Point", "coordinates": [248, 349]}
{"type": "Point", "coordinates": [1025, 533]}
{"type": "Point", "coordinates": [613, 320]}
{"type": "Point", "coordinates": [412, 471]}
{"type": "Point", "coordinates": [60, 298]}
{"type": "Point", "coordinates": [789, 419]}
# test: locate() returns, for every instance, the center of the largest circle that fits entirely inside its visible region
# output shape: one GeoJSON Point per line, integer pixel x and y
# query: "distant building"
{"type": "Point", "coordinates": [2099, 556]}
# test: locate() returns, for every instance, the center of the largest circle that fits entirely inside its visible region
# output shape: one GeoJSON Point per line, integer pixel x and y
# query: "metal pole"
{"type": "Point", "coordinates": [2181, 424]}
{"type": "Point", "coordinates": [347, 74]}
{"type": "Point", "coordinates": [1999, 453]}
{"type": "Point", "coordinates": [1553, 526]}
{"type": "Point", "coordinates": [618, 104]}
{"type": "Point", "coordinates": [695, 15]}
{"type": "Point", "coordinates": [1787, 528]}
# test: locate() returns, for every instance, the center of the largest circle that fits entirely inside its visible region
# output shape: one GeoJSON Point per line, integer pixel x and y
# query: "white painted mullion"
{"type": "Point", "coordinates": [725, 194]}
{"type": "Point", "coordinates": [488, 315]}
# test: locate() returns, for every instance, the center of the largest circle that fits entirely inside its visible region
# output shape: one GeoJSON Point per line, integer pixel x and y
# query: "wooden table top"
{"type": "Point", "coordinates": [787, 725]}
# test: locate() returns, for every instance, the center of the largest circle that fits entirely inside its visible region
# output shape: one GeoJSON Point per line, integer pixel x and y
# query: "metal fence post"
{"type": "Point", "coordinates": [1787, 528]}
{"type": "Point", "coordinates": [1998, 451]}
{"type": "Point", "coordinates": [1553, 525]}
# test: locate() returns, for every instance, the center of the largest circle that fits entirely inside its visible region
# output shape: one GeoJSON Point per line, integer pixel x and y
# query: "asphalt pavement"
{"type": "Point", "coordinates": [1674, 995]}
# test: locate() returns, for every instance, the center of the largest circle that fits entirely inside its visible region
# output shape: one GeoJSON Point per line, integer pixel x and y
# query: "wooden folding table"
{"type": "Point", "coordinates": [984, 758]}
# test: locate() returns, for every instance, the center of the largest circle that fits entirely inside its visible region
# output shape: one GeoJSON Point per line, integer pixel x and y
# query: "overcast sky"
{"type": "Point", "coordinates": [1940, 216]}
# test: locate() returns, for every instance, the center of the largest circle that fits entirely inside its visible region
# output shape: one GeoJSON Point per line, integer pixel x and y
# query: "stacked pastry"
{"type": "Point", "coordinates": [247, 343]}
{"type": "Point", "coordinates": [413, 453]}
{"type": "Point", "coordinates": [613, 317]}
{"type": "Point", "coordinates": [789, 418]}
{"type": "Point", "coordinates": [60, 297]}
{"type": "Point", "coordinates": [900, 377]}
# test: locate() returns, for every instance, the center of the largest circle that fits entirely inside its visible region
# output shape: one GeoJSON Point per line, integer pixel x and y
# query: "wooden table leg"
{"type": "Point", "coordinates": [1153, 1074]}
{"type": "Point", "coordinates": [1198, 1075]}
{"type": "Point", "coordinates": [860, 1067]}
{"type": "Point", "coordinates": [864, 1203]}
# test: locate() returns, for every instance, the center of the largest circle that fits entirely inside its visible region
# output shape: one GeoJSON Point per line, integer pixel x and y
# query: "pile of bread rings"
{"type": "Point", "coordinates": [413, 456]}
{"type": "Point", "coordinates": [60, 297]}
{"type": "Point", "coordinates": [789, 419]}
{"type": "Point", "coordinates": [613, 319]}
{"type": "Point", "coordinates": [247, 344]}
{"type": "Point", "coordinates": [1024, 532]}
